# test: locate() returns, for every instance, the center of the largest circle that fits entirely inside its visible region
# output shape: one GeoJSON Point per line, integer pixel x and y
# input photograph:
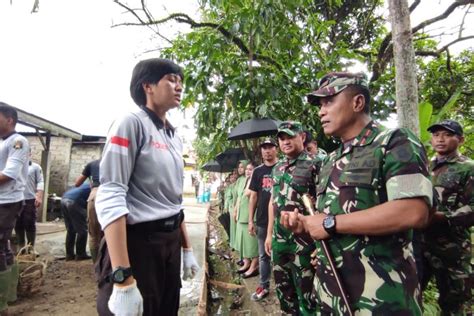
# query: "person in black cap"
{"type": "Point", "coordinates": [139, 201]}
{"type": "Point", "coordinates": [447, 240]}
{"type": "Point", "coordinates": [260, 192]}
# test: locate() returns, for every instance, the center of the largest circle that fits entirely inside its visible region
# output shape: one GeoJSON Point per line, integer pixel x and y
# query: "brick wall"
{"type": "Point", "coordinates": [60, 149]}
{"type": "Point", "coordinates": [81, 155]}
{"type": "Point", "coordinates": [67, 160]}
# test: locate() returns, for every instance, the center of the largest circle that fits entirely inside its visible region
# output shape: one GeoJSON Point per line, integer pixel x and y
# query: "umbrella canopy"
{"type": "Point", "coordinates": [230, 157]}
{"type": "Point", "coordinates": [214, 166]}
{"type": "Point", "coordinates": [254, 128]}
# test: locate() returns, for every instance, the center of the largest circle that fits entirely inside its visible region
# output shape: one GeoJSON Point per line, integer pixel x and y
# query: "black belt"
{"type": "Point", "coordinates": [168, 224]}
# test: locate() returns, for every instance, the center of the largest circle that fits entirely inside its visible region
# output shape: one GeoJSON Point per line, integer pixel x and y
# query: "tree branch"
{"type": "Point", "coordinates": [143, 22]}
{"type": "Point", "coordinates": [438, 52]}
{"type": "Point", "coordinates": [384, 54]}
{"type": "Point", "coordinates": [184, 18]}
{"type": "Point", "coordinates": [461, 27]}
{"type": "Point", "coordinates": [414, 5]}
{"type": "Point", "coordinates": [35, 6]}
{"type": "Point", "coordinates": [442, 16]}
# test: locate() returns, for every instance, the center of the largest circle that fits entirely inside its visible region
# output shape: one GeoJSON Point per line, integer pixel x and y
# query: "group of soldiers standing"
{"type": "Point", "coordinates": [356, 254]}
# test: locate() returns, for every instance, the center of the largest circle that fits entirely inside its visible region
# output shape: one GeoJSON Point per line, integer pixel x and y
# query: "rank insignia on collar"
{"type": "Point", "coordinates": [18, 144]}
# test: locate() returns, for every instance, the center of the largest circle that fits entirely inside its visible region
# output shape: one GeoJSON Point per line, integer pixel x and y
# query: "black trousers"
{"type": "Point", "coordinates": [8, 216]}
{"type": "Point", "coordinates": [155, 258]}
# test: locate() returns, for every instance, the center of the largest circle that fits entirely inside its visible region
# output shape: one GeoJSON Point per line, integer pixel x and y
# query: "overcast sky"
{"type": "Point", "coordinates": [66, 64]}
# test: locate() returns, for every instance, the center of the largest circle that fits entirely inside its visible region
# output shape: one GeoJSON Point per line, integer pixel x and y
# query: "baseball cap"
{"type": "Point", "coordinates": [291, 128]}
{"type": "Point", "coordinates": [334, 82]}
{"type": "Point", "coordinates": [268, 141]}
{"type": "Point", "coordinates": [449, 125]}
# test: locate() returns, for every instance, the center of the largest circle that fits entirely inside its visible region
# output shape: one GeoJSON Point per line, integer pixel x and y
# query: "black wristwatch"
{"type": "Point", "coordinates": [329, 224]}
{"type": "Point", "coordinates": [120, 274]}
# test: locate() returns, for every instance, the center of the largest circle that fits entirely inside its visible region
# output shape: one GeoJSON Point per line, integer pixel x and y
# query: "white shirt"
{"type": "Point", "coordinates": [14, 152]}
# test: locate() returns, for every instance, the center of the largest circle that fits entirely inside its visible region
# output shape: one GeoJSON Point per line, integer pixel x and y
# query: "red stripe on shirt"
{"type": "Point", "coordinates": [120, 141]}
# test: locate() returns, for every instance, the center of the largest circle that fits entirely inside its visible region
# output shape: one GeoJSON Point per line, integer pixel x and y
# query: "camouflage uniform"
{"type": "Point", "coordinates": [447, 246]}
{"type": "Point", "coordinates": [291, 254]}
{"type": "Point", "coordinates": [378, 272]}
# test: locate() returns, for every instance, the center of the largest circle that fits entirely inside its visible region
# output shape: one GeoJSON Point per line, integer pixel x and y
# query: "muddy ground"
{"type": "Point", "coordinates": [69, 289]}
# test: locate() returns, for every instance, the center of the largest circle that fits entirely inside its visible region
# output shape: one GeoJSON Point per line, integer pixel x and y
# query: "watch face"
{"type": "Point", "coordinates": [118, 276]}
{"type": "Point", "coordinates": [329, 222]}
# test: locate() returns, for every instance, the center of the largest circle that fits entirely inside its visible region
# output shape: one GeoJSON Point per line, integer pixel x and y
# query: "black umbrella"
{"type": "Point", "coordinates": [230, 157]}
{"type": "Point", "coordinates": [254, 128]}
{"type": "Point", "coordinates": [214, 166]}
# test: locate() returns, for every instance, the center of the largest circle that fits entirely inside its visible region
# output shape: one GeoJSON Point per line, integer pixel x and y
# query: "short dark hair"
{"type": "Point", "coordinates": [355, 89]}
{"type": "Point", "coordinates": [308, 138]}
{"type": "Point", "coordinates": [150, 71]}
{"type": "Point", "coordinates": [9, 112]}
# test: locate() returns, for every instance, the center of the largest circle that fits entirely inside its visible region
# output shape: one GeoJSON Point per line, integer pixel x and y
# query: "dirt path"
{"type": "Point", "coordinates": [69, 289]}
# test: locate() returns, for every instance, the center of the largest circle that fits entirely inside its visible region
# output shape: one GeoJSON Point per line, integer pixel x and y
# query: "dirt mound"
{"type": "Point", "coordinates": [69, 288]}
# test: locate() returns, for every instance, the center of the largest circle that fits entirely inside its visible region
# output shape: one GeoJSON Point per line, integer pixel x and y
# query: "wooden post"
{"type": "Point", "coordinates": [46, 166]}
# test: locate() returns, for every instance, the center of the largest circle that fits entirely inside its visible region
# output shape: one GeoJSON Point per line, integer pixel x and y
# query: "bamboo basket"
{"type": "Point", "coordinates": [31, 272]}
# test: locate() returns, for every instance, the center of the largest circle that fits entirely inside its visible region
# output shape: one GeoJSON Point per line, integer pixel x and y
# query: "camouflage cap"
{"type": "Point", "coordinates": [291, 128]}
{"type": "Point", "coordinates": [449, 125]}
{"type": "Point", "coordinates": [334, 82]}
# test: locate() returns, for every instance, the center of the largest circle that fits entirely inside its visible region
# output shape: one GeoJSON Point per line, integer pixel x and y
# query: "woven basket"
{"type": "Point", "coordinates": [31, 272]}
{"type": "Point", "coordinates": [31, 279]}
{"type": "Point", "coordinates": [26, 253]}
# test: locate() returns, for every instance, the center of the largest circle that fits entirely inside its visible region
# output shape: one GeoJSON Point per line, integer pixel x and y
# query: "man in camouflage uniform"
{"type": "Point", "coordinates": [372, 191]}
{"type": "Point", "coordinates": [294, 175]}
{"type": "Point", "coordinates": [447, 240]}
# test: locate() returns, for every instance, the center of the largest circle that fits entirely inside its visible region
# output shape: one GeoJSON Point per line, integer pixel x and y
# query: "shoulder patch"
{"type": "Point", "coordinates": [18, 144]}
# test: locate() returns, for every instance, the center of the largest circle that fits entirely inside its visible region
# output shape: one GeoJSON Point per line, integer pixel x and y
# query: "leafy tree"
{"type": "Point", "coordinates": [247, 58]}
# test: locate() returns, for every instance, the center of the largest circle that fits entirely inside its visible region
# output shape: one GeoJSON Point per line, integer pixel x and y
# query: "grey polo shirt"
{"type": "Point", "coordinates": [141, 171]}
{"type": "Point", "coordinates": [14, 152]}
{"type": "Point", "coordinates": [35, 181]}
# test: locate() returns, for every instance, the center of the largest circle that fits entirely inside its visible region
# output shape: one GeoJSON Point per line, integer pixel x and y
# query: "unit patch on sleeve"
{"type": "Point", "coordinates": [18, 144]}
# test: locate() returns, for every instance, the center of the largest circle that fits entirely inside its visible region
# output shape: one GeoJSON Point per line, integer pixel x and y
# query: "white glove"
{"type": "Point", "coordinates": [126, 301]}
{"type": "Point", "coordinates": [190, 265]}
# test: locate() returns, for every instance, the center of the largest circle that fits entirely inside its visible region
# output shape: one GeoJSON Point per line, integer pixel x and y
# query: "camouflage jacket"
{"type": "Point", "coordinates": [379, 272]}
{"type": "Point", "coordinates": [453, 180]}
{"type": "Point", "coordinates": [291, 179]}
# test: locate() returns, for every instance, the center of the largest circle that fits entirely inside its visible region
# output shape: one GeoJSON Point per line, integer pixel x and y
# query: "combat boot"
{"type": "Point", "coordinates": [13, 283]}
{"type": "Point", "coordinates": [70, 242]}
{"type": "Point", "coordinates": [81, 243]}
{"type": "Point", "coordinates": [4, 286]}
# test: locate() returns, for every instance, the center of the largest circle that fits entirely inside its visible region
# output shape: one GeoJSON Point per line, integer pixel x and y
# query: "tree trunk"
{"type": "Point", "coordinates": [405, 67]}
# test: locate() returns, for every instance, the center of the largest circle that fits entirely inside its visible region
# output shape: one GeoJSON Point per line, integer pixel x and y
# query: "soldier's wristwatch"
{"type": "Point", "coordinates": [329, 224]}
{"type": "Point", "coordinates": [120, 274]}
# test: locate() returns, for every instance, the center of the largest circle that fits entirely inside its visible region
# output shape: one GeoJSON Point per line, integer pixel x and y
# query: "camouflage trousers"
{"type": "Point", "coordinates": [452, 280]}
{"type": "Point", "coordinates": [294, 276]}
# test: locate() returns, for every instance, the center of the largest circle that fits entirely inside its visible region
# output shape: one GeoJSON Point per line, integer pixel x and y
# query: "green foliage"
{"type": "Point", "coordinates": [248, 58]}
{"type": "Point", "coordinates": [425, 112]}
{"type": "Point", "coordinates": [430, 300]}
{"type": "Point", "coordinates": [448, 87]}
{"type": "Point", "coordinates": [260, 59]}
